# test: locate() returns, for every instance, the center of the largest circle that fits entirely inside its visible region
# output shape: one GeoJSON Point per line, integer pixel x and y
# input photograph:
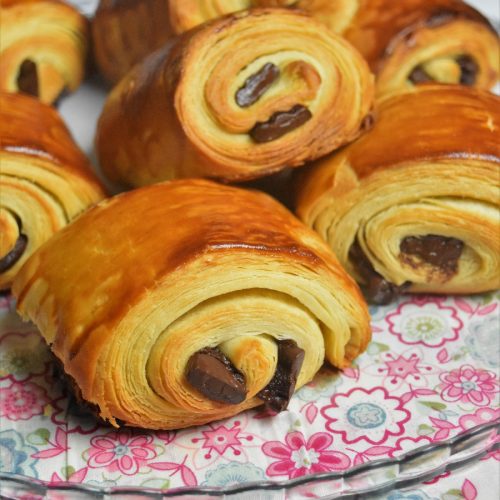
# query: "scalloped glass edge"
{"type": "Point", "coordinates": [374, 477]}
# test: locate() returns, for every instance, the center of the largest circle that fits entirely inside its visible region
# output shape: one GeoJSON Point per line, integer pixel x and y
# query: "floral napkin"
{"type": "Point", "coordinates": [430, 373]}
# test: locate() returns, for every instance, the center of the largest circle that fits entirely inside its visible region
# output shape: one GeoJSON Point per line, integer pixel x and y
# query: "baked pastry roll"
{"type": "Point", "coordinates": [45, 180]}
{"type": "Point", "coordinates": [236, 99]}
{"type": "Point", "coordinates": [413, 205]}
{"type": "Point", "coordinates": [43, 46]}
{"type": "Point", "coordinates": [188, 301]}
{"type": "Point", "coordinates": [414, 41]}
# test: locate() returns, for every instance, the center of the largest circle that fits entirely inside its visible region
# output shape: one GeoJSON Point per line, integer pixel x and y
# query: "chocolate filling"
{"type": "Point", "coordinates": [438, 251]}
{"type": "Point", "coordinates": [212, 373]}
{"type": "Point", "coordinates": [468, 72]}
{"type": "Point", "coordinates": [256, 85]}
{"type": "Point", "coordinates": [419, 75]}
{"type": "Point", "coordinates": [278, 392]}
{"type": "Point", "coordinates": [27, 78]}
{"type": "Point", "coordinates": [9, 260]}
{"type": "Point", "coordinates": [280, 124]}
{"type": "Point", "coordinates": [377, 289]}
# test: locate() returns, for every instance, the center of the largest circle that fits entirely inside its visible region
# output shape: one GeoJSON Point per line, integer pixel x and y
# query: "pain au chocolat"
{"type": "Point", "coordinates": [185, 302]}
{"type": "Point", "coordinates": [413, 205]}
{"type": "Point", "coordinates": [410, 42]}
{"type": "Point", "coordinates": [43, 48]}
{"type": "Point", "coordinates": [238, 98]}
{"type": "Point", "coordinates": [406, 42]}
{"type": "Point", "coordinates": [45, 180]}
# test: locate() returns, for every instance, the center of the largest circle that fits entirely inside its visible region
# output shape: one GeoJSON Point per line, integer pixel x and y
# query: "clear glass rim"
{"type": "Point", "coordinates": [421, 452]}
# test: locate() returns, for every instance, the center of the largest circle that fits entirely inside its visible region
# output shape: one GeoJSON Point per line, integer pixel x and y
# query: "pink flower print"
{"type": "Point", "coordinates": [67, 412]}
{"type": "Point", "coordinates": [121, 450]}
{"type": "Point", "coordinates": [219, 442]}
{"type": "Point", "coordinates": [480, 417]}
{"type": "Point", "coordinates": [366, 415]}
{"type": "Point", "coordinates": [73, 476]}
{"type": "Point", "coordinates": [297, 458]}
{"type": "Point", "coordinates": [22, 401]}
{"type": "Point", "coordinates": [468, 385]}
{"type": "Point", "coordinates": [431, 324]}
{"type": "Point", "coordinates": [407, 444]}
{"type": "Point", "coordinates": [402, 370]}
{"type": "Point", "coordinates": [220, 439]}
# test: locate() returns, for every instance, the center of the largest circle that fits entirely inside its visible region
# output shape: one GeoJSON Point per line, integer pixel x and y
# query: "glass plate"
{"type": "Point", "coordinates": [372, 478]}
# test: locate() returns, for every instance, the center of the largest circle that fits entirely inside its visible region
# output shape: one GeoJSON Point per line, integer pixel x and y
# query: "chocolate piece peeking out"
{"type": "Point", "coordinates": [377, 289]}
{"type": "Point", "coordinates": [438, 251]}
{"type": "Point", "coordinates": [211, 373]}
{"type": "Point", "coordinates": [27, 78]}
{"type": "Point", "coordinates": [419, 75]}
{"type": "Point", "coordinates": [280, 124]}
{"type": "Point", "coordinates": [469, 70]}
{"type": "Point", "coordinates": [15, 254]}
{"type": "Point", "coordinates": [256, 85]}
{"type": "Point", "coordinates": [278, 392]}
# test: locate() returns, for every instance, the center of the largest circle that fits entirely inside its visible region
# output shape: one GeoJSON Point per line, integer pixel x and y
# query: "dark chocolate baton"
{"type": "Point", "coordinates": [211, 373]}
{"type": "Point", "coordinates": [278, 392]}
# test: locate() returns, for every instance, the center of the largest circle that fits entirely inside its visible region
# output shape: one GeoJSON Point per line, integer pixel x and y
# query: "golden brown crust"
{"type": "Point", "coordinates": [45, 179]}
{"type": "Point", "coordinates": [125, 31]}
{"type": "Point", "coordinates": [429, 166]}
{"type": "Point", "coordinates": [176, 114]}
{"type": "Point", "coordinates": [51, 38]}
{"type": "Point", "coordinates": [191, 264]}
{"type": "Point", "coordinates": [31, 128]}
{"type": "Point", "coordinates": [381, 24]}
{"type": "Point", "coordinates": [432, 124]}
{"type": "Point", "coordinates": [397, 37]}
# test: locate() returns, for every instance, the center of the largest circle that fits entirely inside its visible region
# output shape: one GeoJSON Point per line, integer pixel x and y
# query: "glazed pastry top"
{"type": "Point", "coordinates": [31, 128]}
{"type": "Point", "coordinates": [437, 123]}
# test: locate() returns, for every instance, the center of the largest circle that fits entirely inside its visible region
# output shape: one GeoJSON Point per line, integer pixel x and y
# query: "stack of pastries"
{"type": "Point", "coordinates": [185, 300]}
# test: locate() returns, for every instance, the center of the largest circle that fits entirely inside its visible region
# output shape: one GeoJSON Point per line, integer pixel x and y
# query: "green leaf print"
{"type": "Point", "coordinates": [434, 405]}
{"type": "Point", "coordinates": [425, 430]}
{"type": "Point", "coordinates": [39, 437]}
